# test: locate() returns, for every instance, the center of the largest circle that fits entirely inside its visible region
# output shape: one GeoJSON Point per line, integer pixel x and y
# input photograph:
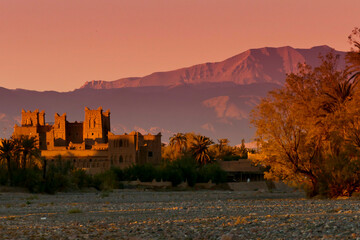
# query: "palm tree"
{"type": "Point", "coordinates": [200, 149]}
{"type": "Point", "coordinates": [17, 152]}
{"type": "Point", "coordinates": [7, 148]}
{"type": "Point", "coordinates": [353, 57]}
{"type": "Point", "coordinates": [341, 94]}
{"type": "Point", "coordinates": [179, 141]}
{"type": "Point", "coordinates": [29, 149]}
{"type": "Point", "coordinates": [222, 142]}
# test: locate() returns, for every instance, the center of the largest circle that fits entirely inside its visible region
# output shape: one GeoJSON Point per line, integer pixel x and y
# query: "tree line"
{"type": "Point", "coordinates": [188, 158]}
{"type": "Point", "coordinates": [202, 149]}
{"type": "Point", "coordinates": [18, 154]}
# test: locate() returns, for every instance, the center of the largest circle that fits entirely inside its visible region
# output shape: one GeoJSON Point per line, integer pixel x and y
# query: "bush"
{"type": "Point", "coordinates": [340, 176]}
{"type": "Point", "coordinates": [33, 180]}
{"type": "Point", "coordinates": [3, 176]}
{"type": "Point", "coordinates": [105, 181]}
{"type": "Point", "coordinates": [61, 176]}
{"type": "Point", "coordinates": [172, 174]}
{"type": "Point", "coordinates": [119, 174]}
{"type": "Point", "coordinates": [143, 172]}
{"type": "Point", "coordinates": [188, 171]}
{"type": "Point", "coordinates": [80, 179]}
{"type": "Point", "coordinates": [75, 210]}
{"type": "Point", "coordinates": [232, 158]}
{"type": "Point", "coordinates": [212, 172]}
{"type": "Point", "coordinates": [181, 170]}
{"type": "Point", "coordinates": [19, 177]}
{"type": "Point", "coordinates": [30, 178]}
{"type": "Point", "coordinates": [57, 176]}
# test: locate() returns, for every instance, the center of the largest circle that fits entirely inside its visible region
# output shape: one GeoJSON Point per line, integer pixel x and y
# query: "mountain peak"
{"type": "Point", "coordinates": [323, 47]}
{"type": "Point", "coordinates": [267, 64]}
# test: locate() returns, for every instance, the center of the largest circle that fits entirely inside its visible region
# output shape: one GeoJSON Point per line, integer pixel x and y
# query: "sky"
{"type": "Point", "coordinates": [61, 44]}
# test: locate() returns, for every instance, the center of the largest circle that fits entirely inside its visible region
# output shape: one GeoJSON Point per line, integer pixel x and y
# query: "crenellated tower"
{"type": "Point", "coordinates": [60, 130]}
{"type": "Point", "coordinates": [33, 119]}
{"type": "Point", "coordinates": [96, 126]}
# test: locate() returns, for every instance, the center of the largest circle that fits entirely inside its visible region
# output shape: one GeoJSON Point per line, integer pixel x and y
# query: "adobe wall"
{"type": "Point", "coordinates": [91, 161]}
{"type": "Point", "coordinates": [60, 130]}
{"type": "Point", "coordinates": [106, 124]}
{"type": "Point", "coordinates": [53, 154]}
{"type": "Point", "coordinates": [46, 136]}
{"type": "Point", "coordinates": [74, 132]}
{"type": "Point", "coordinates": [49, 140]}
{"type": "Point", "coordinates": [27, 131]}
{"type": "Point", "coordinates": [153, 143]}
{"type": "Point", "coordinates": [122, 149]}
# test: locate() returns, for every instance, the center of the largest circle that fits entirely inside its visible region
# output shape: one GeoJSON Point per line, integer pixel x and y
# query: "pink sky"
{"type": "Point", "coordinates": [60, 44]}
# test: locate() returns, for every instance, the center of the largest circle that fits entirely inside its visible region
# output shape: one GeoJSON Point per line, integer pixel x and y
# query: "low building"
{"type": "Point", "coordinates": [89, 144]}
{"type": "Point", "coordinates": [242, 171]}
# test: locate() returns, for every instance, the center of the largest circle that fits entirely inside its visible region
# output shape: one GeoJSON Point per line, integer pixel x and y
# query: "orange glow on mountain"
{"type": "Point", "coordinates": [58, 45]}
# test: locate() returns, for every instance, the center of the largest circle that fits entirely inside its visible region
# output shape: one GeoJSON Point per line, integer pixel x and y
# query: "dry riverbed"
{"type": "Point", "coordinates": [130, 214]}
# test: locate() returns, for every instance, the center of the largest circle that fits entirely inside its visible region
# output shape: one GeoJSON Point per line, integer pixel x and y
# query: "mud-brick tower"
{"type": "Point", "coordinates": [32, 119]}
{"type": "Point", "coordinates": [60, 130]}
{"type": "Point", "coordinates": [96, 126]}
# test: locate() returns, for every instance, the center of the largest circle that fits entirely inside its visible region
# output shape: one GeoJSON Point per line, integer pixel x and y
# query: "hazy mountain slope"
{"type": "Point", "coordinates": [252, 66]}
{"type": "Point", "coordinates": [149, 109]}
{"type": "Point", "coordinates": [213, 99]}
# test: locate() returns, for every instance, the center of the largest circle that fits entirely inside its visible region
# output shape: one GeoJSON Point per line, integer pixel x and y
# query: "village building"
{"type": "Point", "coordinates": [89, 144]}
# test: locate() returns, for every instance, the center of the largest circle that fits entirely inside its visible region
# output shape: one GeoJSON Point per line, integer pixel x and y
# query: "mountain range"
{"type": "Point", "coordinates": [213, 99]}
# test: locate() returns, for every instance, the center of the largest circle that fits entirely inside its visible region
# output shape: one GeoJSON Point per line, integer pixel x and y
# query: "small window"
{"type": "Point", "coordinates": [121, 159]}
{"type": "Point", "coordinates": [150, 154]}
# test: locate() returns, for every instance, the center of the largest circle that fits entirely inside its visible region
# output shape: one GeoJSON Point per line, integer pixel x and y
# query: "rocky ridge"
{"type": "Point", "coordinates": [263, 65]}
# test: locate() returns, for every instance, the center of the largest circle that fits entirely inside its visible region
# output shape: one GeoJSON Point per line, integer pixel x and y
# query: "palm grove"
{"type": "Point", "coordinates": [188, 158]}
{"type": "Point", "coordinates": [309, 130]}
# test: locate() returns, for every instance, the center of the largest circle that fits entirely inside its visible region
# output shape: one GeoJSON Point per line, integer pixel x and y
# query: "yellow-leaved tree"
{"type": "Point", "coordinates": [309, 130]}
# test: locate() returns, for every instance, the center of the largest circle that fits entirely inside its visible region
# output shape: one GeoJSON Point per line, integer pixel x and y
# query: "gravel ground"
{"type": "Point", "coordinates": [130, 214]}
